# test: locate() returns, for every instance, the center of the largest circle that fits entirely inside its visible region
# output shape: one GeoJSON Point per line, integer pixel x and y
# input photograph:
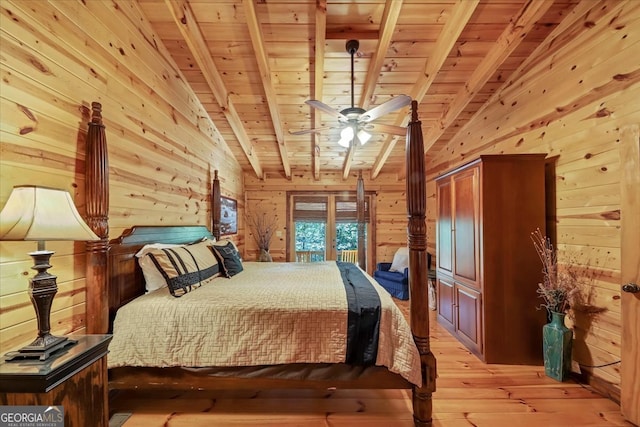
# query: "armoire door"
{"type": "Point", "coordinates": [469, 317]}
{"type": "Point", "coordinates": [444, 254]}
{"type": "Point", "coordinates": [466, 208]}
{"type": "Point", "coordinates": [446, 302]}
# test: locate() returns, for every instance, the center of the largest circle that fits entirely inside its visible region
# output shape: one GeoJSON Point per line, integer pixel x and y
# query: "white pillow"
{"type": "Point", "coordinates": [400, 260]}
{"type": "Point", "coordinates": [153, 279]}
{"type": "Point", "coordinates": [151, 246]}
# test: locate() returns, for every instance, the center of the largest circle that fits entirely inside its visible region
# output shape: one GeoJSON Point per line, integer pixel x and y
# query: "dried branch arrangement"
{"type": "Point", "coordinates": [558, 288]}
{"type": "Point", "coordinates": [263, 226]}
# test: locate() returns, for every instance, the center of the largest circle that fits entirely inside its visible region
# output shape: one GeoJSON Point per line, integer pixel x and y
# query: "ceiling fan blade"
{"type": "Point", "coordinates": [388, 129]}
{"type": "Point", "coordinates": [395, 103]}
{"type": "Point", "coordinates": [307, 131]}
{"type": "Point", "coordinates": [324, 107]}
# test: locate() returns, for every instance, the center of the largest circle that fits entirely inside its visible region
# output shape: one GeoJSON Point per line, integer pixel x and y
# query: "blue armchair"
{"type": "Point", "coordinates": [395, 282]}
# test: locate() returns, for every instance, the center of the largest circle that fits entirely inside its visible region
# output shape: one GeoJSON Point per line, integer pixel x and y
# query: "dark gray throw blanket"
{"type": "Point", "coordinates": [364, 316]}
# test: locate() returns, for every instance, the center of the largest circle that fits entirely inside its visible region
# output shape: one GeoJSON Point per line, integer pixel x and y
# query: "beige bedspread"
{"type": "Point", "coordinates": [269, 314]}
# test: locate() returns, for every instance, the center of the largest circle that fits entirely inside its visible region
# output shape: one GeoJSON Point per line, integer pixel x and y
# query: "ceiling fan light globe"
{"type": "Point", "coordinates": [363, 136]}
{"type": "Point", "coordinates": [347, 133]}
{"type": "Point", "coordinates": [344, 142]}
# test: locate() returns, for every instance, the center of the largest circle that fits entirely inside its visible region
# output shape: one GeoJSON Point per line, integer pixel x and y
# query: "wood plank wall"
{"type": "Point", "coordinates": [58, 57]}
{"type": "Point", "coordinates": [571, 102]}
{"type": "Point", "coordinates": [391, 210]}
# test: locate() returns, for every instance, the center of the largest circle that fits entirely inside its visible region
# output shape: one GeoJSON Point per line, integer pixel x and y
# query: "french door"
{"type": "Point", "coordinates": [323, 224]}
{"type": "Point", "coordinates": [630, 271]}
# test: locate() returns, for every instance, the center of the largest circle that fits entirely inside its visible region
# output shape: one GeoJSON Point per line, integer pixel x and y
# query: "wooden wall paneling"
{"type": "Point", "coordinates": [52, 69]}
{"type": "Point", "coordinates": [19, 165]}
{"type": "Point", "coordinates": [173, 111]}
{"type": "Point", "coordinates": [64, 320]}
{"type": "Point", "coordinates": [15, 273]}
{"type": "Point", "coordinates": [130, 81]}
{"type": "Point", "coordinates": [595, 336]}
{"type": "Point", "coordinates": [515, 113]}
{"type": "Point", "coordinates": [570, 102]}
{"type": "Point", "coordinates": [28, 66]}
{"type": "Point", "coordinates": [40, 125]}
{"type": "Point", "coordinates": [100, 21]}
{"type": "Point", "coordinates": [600, 195]}
{"type": "Point", "coordinates": [391, 216]}
{"type": "Point", "coordinates": [70, 293]}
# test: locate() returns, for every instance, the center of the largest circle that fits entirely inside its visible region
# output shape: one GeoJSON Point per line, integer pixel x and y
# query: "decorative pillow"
{"type": "Point", "coordinates": [225, 242]}
{"type": "Point", "coordinates": [400, 260]}
{"type": "Point", "coordinates": [184, 268]}
{"type": "Point", "coordinates": [152, 277]}
{"type": "Point", "coordinates": [229, 258]}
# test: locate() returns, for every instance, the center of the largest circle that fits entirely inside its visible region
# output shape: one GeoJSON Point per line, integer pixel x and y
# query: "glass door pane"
{"type": "Point", "coordinates": [310, 215]}
{"type": "Point", "coordinates": [310, 241]}
{"type": "Point", "coordinates": [346, 236]}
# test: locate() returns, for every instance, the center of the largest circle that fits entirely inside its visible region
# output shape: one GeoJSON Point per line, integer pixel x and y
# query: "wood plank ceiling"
{"type": "Point", "coordinates": [254, 63]}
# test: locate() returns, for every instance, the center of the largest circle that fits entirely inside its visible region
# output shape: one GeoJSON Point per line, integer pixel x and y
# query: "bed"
{"type": "Point", "coordinates": [117, 278]}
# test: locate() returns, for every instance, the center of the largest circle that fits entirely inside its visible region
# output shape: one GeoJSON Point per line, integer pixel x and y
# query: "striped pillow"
{"type": "Point", "coordinates": [185, 267]}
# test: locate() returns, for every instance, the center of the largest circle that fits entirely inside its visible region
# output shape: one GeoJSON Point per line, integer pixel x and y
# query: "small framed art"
{"type": "Point", "coordinates": [228, 216]}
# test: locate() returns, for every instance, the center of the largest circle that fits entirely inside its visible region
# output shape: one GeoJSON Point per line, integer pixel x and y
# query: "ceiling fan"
{"type": "Point", "coordinates": [355, 121]}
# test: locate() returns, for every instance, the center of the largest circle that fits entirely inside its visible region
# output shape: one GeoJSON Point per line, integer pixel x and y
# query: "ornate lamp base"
{"type": "Point", "coordinates": [42, 289]}
{"type": "Point", "coordinates": [41, 348]}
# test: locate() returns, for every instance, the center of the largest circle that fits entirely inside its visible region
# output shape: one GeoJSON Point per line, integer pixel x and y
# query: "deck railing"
{"type": "Point", "coordinates": [309, 256]}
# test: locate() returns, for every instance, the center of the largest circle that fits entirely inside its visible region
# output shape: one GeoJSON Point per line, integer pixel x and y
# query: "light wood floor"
{"type": "Point", "coordinates": [469, 393]}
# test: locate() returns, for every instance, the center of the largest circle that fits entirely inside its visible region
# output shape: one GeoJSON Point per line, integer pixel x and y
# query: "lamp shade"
{"type": "Point", "coordinates": [42, 213]}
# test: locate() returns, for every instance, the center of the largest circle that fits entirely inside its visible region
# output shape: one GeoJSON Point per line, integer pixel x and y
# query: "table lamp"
{"type": "Point", "coordinates": [40, 214]}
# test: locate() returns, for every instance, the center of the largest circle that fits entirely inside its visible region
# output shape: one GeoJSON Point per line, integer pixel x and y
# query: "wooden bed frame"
{"type": "Point", "coordinates": [114, 276]}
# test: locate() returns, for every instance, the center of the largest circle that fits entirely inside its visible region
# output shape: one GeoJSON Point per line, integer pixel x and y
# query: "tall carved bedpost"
{"type": "Point", "coordinates": [418, 289]}
{"type": "Point", "coordinates": [215, 206]}
{"type": "Point", "coordinates": [97, 200]}
{"type": "Point", "coordinates": [362, 256]}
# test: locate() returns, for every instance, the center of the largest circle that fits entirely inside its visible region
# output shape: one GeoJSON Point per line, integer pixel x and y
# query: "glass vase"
{"type": "Point", "coordinates": [556, 341]}
{"type": "Point", "coordinates": [264, 256]}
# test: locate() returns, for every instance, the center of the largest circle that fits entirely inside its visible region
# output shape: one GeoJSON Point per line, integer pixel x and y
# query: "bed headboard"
{"type": "Point", "coordinates": [126, 280]}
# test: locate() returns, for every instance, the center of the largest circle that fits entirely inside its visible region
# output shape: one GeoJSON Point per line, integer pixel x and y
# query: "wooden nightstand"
{"type": "Point", "coordinates": [75, 377]}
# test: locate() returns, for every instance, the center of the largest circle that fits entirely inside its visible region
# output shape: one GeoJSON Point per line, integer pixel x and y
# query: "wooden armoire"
{"type": "Point", "coordinates": [487, 268]}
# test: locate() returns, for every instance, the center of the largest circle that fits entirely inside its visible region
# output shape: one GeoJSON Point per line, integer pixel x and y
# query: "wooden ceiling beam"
{"type": "Point", "coordinates": [509, 40]}
{"type": "Point", "coordinates": [387, 27]}
{"type": "Point", "coordinates": [460, 15]}
{"type": "Point", "coordinates": [188, 26]}
{"type": "Point", "coordinates": [267, 85]}
{"type": "Point", "coordinates": [318, 87]}
{"type": "Point", "coordinates": [351, 34]}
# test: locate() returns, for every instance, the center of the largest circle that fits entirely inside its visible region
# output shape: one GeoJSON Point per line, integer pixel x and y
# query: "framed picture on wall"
{"type": "Point", "coordinates": [228, 216]}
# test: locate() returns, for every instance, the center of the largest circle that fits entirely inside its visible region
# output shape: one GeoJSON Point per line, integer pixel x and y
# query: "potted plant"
{"type": "Point", "coordinates": [263, 226]}
{"type": "Point", "coordinates": [557, 289]}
